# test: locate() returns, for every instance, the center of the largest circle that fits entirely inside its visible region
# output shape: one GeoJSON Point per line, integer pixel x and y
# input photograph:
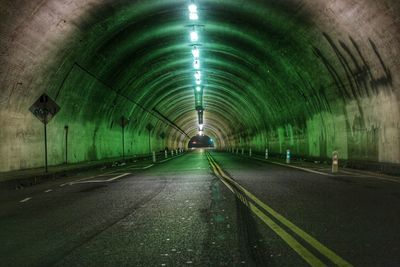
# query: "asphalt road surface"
{"type": "Point", "coordinates": [202, 209]}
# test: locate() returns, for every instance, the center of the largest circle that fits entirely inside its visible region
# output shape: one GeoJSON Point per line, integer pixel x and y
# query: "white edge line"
{"type": "Point", "coordinates": [331, 175]}
{"type": "Point", "coordinates": [88, 182]}
{"type": "Point", "coordinates": [294, 167]}
{"type": "Point", "coordinates": [164, 160]}
{"type": "Point", "coordinates": [25, 199]}
{"type": "Point", "coordinates": [148, 166]}
{"type": "Point", "coordinates": [117, 177]}
{"type": "Point", "coordinates": [100, 181]}
{"type": "Point", "coordinates": [301, 168]}
{"type": "Point", "coordinates": [48, 190]}
{"type": "Point", "coordinates": [76, 181]}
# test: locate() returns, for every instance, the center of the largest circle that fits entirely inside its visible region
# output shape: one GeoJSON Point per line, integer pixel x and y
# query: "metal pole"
{"type": "Point", "coordinates": [45, 148]}
{"type": "Point", "coordinates": [123, 142]}
{"type": "Point", "coordinates": [66, 144]}
{"type": "Point", "coordinates": [149, 143]}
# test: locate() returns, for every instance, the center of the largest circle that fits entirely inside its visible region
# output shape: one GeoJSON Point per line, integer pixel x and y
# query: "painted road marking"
{"type": "Point", "coordinates": [25, 199]}
{"type": "Point", "coordinates": [117, 177]}
{"type": "Point", "coordinates": [48, 190]}
{"type": "Point", "coordinates": [295, 167]}
{"type": "Point", "coordinates": [291, 241]}
{"type": "Point", "coordinates": [301, 168]}
{"type": "Point", "coordinates": [353, 174]}
{"type": "Point", "coordinates": [164, 160]}
{"type": "Point", "coordinates": [85, 181]}
{"type": "Point", "coordinates": [382, 177]}
{"type": "Point", "coordinates": [148, 166]}
{"type": "Point", "coordinates": [69, 183]}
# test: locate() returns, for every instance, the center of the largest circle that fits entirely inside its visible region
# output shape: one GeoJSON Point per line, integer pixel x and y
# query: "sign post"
{"type": "Point", "coordinates": [149, 127]}
{"type": "Point", "coordinates": [123, 121]}
{"type": "Point", "coordinates": [44, 109]}
{"type": "Point", "coordinates": [66, 143]}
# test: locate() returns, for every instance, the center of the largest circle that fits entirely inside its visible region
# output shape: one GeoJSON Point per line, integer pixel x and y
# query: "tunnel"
{"type": "Point", "coordinates": [101, 102]}
{"type": "Point", "coordinates": [201, 141]}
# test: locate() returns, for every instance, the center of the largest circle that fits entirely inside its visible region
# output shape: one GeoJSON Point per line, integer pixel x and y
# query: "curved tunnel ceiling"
{"type": "Point", "coordinates": [276, 73]}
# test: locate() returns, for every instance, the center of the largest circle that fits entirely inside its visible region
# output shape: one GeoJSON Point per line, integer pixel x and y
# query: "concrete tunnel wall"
{"type": "Point", "coordinates": [313, 76]}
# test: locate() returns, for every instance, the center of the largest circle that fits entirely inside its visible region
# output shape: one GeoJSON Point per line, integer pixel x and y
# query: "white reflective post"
{"type": "Point", "coordinates": [154, 156]}
{"type": "Point", "coordinates": [166, 154]}
{"type": "Point", "coordinates": [237, 150]}
{"type": "Point", "coordinates": [250, 152]}
{"type": "Point", "coordinates": [172, 152]}
{"type": "Point", "coordinates": [176, 151]}
{"type": "Point", "coordinates": [335, 162]}
{"type": "Point", "coordinates": [288, 156]}
{"type": "Point", "coordinates": [266, 153]}
{"type": "Point", "coordinates": [242, 151]}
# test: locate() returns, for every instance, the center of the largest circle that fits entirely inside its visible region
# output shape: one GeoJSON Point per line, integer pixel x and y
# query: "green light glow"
{"type": "Point", "coordinates": [273, 80]}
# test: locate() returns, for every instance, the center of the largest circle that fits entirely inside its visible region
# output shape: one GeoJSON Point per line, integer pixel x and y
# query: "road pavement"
{"type": "Point", "coordinates": [202, 209]}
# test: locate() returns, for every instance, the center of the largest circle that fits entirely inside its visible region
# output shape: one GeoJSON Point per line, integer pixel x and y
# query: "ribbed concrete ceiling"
{"type": "Point", "coordinates": [305, 71]}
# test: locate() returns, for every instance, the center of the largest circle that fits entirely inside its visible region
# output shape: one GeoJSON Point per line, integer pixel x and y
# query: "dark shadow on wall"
{"type": "Point", "coordinates": [354, 79]}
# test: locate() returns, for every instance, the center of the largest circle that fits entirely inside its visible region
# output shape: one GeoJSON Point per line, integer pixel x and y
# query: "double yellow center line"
{"type": "Point", "coordinates": [269, 216]}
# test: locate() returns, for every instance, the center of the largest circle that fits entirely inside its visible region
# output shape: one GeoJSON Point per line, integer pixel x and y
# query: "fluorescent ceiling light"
{"type": "Point", "coordinates": [196, 64]}
{"type": "Point", "coordinates": [192, 8]}
{"type": "Point", "coordinates": [193, 16]}
{"type": "Point", "coordinates": [194, 37]}
{"type": "Point", "coordinates": [195, 52]}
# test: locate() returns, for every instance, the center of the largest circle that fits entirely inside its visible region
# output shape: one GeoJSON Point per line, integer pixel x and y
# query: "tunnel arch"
{"type": "Point", "coordinates": [313, 76]}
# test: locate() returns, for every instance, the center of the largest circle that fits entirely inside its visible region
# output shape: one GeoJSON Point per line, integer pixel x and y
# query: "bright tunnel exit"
{"type": "Point", "coordinates": [201, 141]}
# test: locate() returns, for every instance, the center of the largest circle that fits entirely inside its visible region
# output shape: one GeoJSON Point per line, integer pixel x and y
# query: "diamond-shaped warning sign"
{"type": "Point", "coordinates": [44, 108]}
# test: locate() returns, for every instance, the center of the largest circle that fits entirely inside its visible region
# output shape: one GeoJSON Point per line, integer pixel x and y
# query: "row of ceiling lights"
{"type": "Point", "coordinates": [194, 38]}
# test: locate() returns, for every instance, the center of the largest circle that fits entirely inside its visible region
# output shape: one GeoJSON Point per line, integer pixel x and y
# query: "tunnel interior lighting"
{"type": "Point", "coordinates": [201, 127]}
{"type": "Point", "coordinates": [200, 132]}
{"type": "Point", "coordinates": [198, 88]}
{"type": "Point", "coordinates": [197, 75]}
{"type": "Point", "coordinates": [198, 81]}
{"type": "Point", "coordinates": [192, 8]}
{"type": "Point", "coordinates": [193, 16]}
{"type": "Point", "coordinates": [195, 52]}
{"type": "Point", "coordinates": [196, 64]}
{"type": "Point", "coordinates": [194, 36]}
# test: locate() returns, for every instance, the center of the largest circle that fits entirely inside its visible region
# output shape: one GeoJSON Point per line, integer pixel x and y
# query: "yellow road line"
{"type": "Point", "coordinates": [306, 237]}
{"type": "Point", "coordinates": [293, 243]}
